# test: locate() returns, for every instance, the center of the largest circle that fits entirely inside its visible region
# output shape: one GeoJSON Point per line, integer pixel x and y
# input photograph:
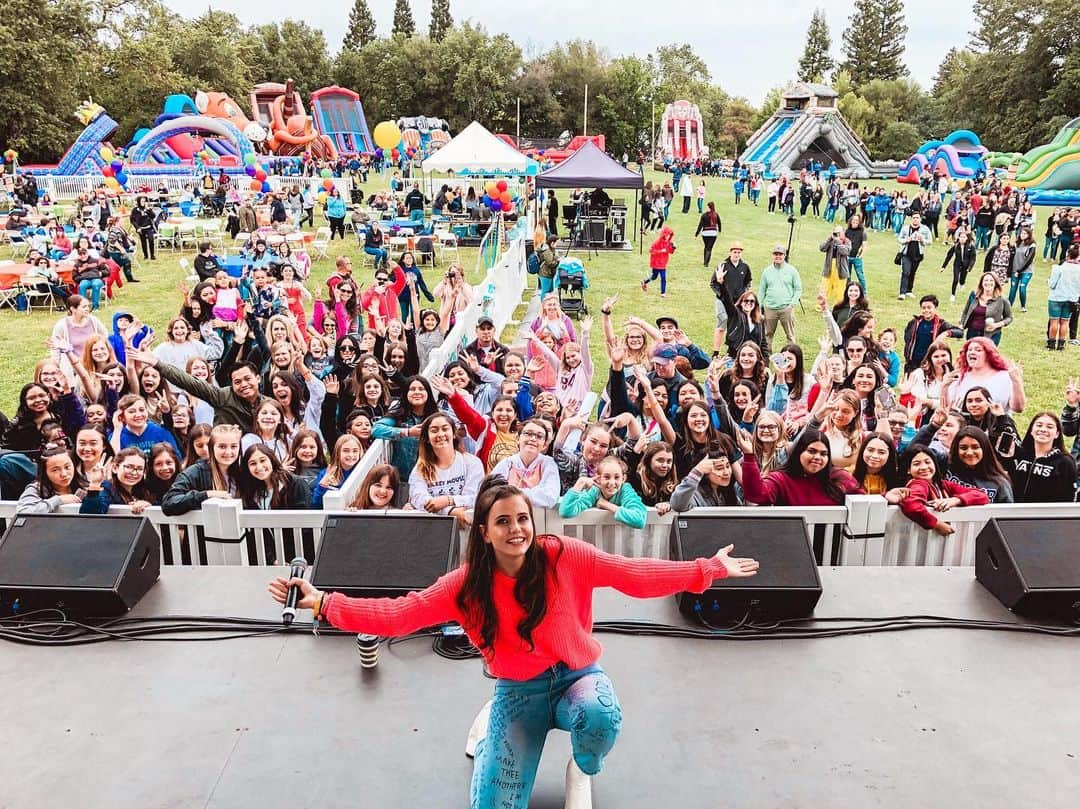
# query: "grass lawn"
{"type": "Point", "coordinates": [156, 299]}
{"type": "Point", "coordinates": [690, 300]}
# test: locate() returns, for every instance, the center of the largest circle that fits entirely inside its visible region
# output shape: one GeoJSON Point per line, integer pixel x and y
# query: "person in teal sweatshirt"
{"type": "Point", "coordinates": [609, 491]}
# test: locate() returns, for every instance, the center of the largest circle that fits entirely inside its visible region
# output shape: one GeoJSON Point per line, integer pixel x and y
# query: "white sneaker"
{"type": "Point", "coordinates": [478, 730]}
{"type": "Point", "coordinates": [578, 787]}
{"type": "Point", "coordinates": [1074, 342]}
{"type": "Point", "coordinates": [900, 297]}
{"type": "Point", "coordinates": [952, 299]}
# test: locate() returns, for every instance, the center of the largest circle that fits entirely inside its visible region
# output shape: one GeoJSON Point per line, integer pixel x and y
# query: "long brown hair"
{"type": "Point", "coordinates": [427, 463]}
{"type": "Point", "coordinates": [531, 586]}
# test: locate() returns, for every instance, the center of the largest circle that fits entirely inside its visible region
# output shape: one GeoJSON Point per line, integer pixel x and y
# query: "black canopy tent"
{"type": "Point", "coordinates": [589, 167]}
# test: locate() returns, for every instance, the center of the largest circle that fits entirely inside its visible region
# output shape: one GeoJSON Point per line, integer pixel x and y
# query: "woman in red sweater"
{"type": "Point", "coordinates": [808, 478]}
{"type": "Point", "coordinates": [928, 492]}
{"type": "Point", "coordinates": [525, 601]}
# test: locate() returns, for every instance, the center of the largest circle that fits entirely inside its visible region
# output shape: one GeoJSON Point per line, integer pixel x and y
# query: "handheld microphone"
{"type": "Point", "coordinates": [288, 614]}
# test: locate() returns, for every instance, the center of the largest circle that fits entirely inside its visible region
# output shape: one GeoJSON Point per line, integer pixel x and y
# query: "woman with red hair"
{"type": "Point", "coordinates": [981, 364]}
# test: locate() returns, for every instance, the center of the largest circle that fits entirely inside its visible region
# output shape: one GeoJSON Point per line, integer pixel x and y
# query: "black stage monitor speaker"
{"type": "Point", "coordinates": [1032, 566]}
{"type": "Point", "coordinates": [87, 566]}
{"type": "Point", "coordinates": [375, 555]}
{"type": "Point", "coordinates": [786, 586]}
{"type": "Point", "coordinates": [596, 229]}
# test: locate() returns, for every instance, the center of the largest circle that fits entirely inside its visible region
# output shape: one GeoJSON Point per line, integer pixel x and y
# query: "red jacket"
{"type": "Point", "coordinates": [915, 506]}
{"type": "Point", "coordinates": [388, 298]}
{"type": "Point", "coordinates": [662, 249]}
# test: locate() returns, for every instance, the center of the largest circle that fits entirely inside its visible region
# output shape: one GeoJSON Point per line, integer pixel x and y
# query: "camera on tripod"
{"type": "Point", "coordinates": [791, 220]}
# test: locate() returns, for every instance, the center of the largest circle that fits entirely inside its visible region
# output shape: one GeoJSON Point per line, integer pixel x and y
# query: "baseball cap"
{"type": "Point", "coordinates": [780, 249]}
{"type": "Point", "coordinates": [736, 246]}
{"type": "Point", "coordinates": [485, 321]}
{"type": "Point", "coordinates": [667, 319]}
{"type": "Point", "coordinates": [664, 354]}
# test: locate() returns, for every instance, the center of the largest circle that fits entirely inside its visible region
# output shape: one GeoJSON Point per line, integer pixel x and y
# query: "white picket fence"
{"type": "Point", "coordinates": [862, 532]}
{"type": "Point", "coordinates": [69, 187]}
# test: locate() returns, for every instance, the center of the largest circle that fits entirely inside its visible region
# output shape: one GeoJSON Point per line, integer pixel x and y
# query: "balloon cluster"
{"type": "Point", "coordinates": [258, 176]}
{"type": "Point", "coordinates": [115, 176]}
{"type": "Point", "coordinates": [327, 180]}
{"type": "Point", "coordinates": [10, 156]}
{"type": "Point", "coordinates": [205, 156]}
{"type": "Point", "coordinates": [497, 196]}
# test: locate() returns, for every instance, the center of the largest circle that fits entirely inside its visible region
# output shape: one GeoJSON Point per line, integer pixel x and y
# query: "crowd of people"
{"type": "Point", "coordinates": [268, 390]}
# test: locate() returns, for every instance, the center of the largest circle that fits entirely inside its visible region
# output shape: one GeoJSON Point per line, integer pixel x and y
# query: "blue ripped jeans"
{"type": "Point", "coordinates": [580, 701]}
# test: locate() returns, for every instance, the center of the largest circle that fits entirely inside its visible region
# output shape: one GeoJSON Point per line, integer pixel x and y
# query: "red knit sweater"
{"type": "Point", "coordinates": [563, 635]}
{"type": "Point", "coordinates": [781, 489]}
{"type": "Point", "coordinates": [915, 505]}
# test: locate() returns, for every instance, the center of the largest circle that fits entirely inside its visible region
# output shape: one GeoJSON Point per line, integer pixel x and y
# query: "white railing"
{"type": "Point", "coordinates": [61, 187]}
{"type": "Point", "coordinates": [498, 295]}
{"type": "Point", "coordinates": [862, 532]}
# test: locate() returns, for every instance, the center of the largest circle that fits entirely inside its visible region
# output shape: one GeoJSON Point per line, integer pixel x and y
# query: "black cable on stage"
{"type": "Point", "coordinates": [51, 627]}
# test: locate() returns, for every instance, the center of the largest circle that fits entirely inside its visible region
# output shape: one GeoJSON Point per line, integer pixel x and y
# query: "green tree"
{"type": "Point", "coordinates": [45, 49]}
{"type": "Point", "coordinates": [899, 140]}
{"type": "Point", "coordinates": [480, 70]}
{"type": "Point", "coordinates": [816, 62]}
{"type": "Point", "coordinates": [540, 112]}
{"type": "Point", "coordinates": [213, 53]}
{"type": "Point", "coordinates": [361, 27]}
{"type": "Point", "coordinates": [573, 66]}
{"type": "Point", "coordinates": [873, 42]}
{"type": "Point", "coordinates": [629, 93]}
{"type": "Point", "coordinates": [680, 74]}
{"type": "Point", "coordinates": [290, 50]}
{"type": "Point", "coordinates": [404, 25]}
{"type": "Point", "coordinates": [441, 21]}
{"type": "Point", "coordinates": [738, 126]}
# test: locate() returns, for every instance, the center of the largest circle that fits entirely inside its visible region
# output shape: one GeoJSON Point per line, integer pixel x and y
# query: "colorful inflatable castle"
{"type": "Point", "coordinates": [290, 131]}
{"type": "Point", "coordinates": [423, 134]}
{"type": "Point", "coordinates": [682, 132]}
{"type": "Point", "coordinates": [808, 127]}
{"type": "Point", "coordinates": [1051, 172]}
{"type": "Point", "coordinates": [960, 155]}
{"type": "Point", "coordinates": [339, 116]}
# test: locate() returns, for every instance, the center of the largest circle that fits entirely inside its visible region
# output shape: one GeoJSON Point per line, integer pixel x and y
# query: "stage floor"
{"type": "Point", "coordinates": [936, 718]}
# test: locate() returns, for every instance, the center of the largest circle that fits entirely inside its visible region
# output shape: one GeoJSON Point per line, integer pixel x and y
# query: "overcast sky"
{"type": "Point", "coordinates": [749, 46]}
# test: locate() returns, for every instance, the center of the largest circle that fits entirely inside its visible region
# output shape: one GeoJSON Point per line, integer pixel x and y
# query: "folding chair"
{"type": "Point", "coordinates": [19, 244]}
{"type": "Point", "coordinates": [321, 245]}
{"type": "Point", "coordinates": [166, 236]}
{"type": "Point", "coordinates": [29, 290]}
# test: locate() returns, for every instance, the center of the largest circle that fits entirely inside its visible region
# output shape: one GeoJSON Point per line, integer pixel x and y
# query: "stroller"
{"type": "Point", "coordinates": [572, 285]}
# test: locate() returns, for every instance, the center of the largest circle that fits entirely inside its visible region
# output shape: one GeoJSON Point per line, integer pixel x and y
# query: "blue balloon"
{"type": "Point", "coordinates": [121, 177]}
{"type": "Point", "coordinates": [266, 187]}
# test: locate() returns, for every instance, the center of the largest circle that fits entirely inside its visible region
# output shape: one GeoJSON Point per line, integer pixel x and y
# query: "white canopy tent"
{"type": "Point", "coordinates": [474, 151]}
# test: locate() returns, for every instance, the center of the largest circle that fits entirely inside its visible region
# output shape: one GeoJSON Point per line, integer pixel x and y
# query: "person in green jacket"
{"type": "Point", "coordinates": [235, 404]}
{"type": "Point", "coordinates": [780, 290]}
{"type": "Point", "coordinates": [609, 491]}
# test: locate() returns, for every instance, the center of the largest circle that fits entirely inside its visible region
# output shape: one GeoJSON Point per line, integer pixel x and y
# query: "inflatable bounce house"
{"type": "Point", "coordinates": [290, 131]}
{"type": "Point", "coordinates": [188, 127]}
{"type": "Point", "coordinates": [960, 155]}
{"type": "Point", "coordinates": [1051, 172]}
{"type": "Point", "coordinates": [339, 116]}
{"type": "Point", "coordinates": [180, 137]}
{"type": "Point", "coordinates": [423, 134]}
{"type": "Point", "coordinates": [682, 132]}
{"type": "Point", "coordinates": [808, 127]}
